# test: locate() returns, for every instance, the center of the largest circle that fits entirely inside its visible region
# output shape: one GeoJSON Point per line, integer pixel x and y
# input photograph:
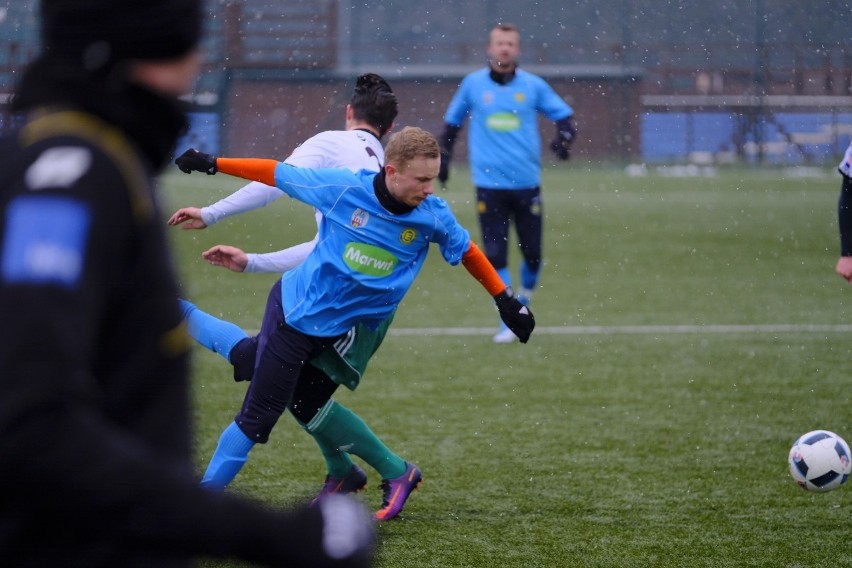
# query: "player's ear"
{"type": "Point", "coordinates": [391, 172]}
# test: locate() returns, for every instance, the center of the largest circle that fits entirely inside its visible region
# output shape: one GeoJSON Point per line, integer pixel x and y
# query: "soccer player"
{"type": "Point", "coordinates": [374, 234]}
{"type": "Point", "coordinates": [369, 116]}
{"type": "Point", "coordinates": [844, 216]}
{"type": "Point", "coordinates": [503, 102]}
{"type": "Point", "coordinates": [95, 434]}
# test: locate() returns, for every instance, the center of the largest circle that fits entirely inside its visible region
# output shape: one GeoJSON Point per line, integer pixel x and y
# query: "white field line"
{"type": "Point", "coordinates": [622, 329]}
{"type": "Point", "coordinates": [630, 329]}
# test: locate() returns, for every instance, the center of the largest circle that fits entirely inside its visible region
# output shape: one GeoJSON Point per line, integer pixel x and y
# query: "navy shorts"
{"type": "Point", "coordinates": [281, 355]}
{"type": "Point", "coordinates": [497, 209]}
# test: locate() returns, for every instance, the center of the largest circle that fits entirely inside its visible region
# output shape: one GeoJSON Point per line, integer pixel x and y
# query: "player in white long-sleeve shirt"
{"type": "Point", "coordinates": [844, 216]}
{"type": "Point", "coordinates": [356, 148]}
{"type": "Point", "coordinates": [369, 115]}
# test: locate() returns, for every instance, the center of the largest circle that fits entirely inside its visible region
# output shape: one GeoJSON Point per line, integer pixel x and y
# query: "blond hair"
{"type": "Point", "coordinates": [409, 143]}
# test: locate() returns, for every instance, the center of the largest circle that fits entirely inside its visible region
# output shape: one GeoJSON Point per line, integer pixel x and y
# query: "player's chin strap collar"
{"type": "Point", "coordinates": [502, 77]}
{"type": "Point", "coordinates": [388, 201]}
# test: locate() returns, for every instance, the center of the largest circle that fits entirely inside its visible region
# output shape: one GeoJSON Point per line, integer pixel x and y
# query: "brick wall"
{"type": "Point", "coordinates": [268, 118]}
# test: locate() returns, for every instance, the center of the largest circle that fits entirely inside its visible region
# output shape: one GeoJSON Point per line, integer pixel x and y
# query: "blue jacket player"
{"type": "Point", "coordinates": [374, 235]}
{"type": "Point", "coordinates": [503, 103]}
{"type": "Point", "coordinates": [338, 431]}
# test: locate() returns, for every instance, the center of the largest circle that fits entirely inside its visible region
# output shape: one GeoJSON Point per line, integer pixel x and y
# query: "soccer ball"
{"type": "Point", "coordinates": [820, 461]}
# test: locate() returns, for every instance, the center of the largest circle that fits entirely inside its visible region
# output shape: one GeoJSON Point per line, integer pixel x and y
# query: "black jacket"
{"type": "Point", "coordinates": [95, 438]}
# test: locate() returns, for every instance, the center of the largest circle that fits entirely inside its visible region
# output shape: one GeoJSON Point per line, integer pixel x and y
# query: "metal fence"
{"type": "Point", "coordinates": [711, 77]}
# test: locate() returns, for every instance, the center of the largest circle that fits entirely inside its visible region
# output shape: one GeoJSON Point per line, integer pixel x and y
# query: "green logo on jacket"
{"type": "Point", "coordinates": [503, 121]}
{"type": "Point", "coordinates": [369, 260]}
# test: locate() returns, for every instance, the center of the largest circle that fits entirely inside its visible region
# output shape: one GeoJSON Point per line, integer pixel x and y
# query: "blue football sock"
{"type": "Point", "coordinates": [505, 275]}
{"type": "Point", "coordinates": [215, 334]}
{"type": "Point", "coordinates": [529, 278]}
{"type": "Point", "coordinates": [230, 456]}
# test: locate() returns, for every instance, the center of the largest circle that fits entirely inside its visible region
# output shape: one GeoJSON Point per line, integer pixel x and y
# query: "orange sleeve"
{"type": "Point", "coordinates": [255, 169]}
{"type": "Point", "coordinates": [477, 264]}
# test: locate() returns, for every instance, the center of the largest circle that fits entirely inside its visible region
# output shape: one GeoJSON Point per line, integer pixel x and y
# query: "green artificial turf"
{"type": "Point", "coordinates": [689, 329]}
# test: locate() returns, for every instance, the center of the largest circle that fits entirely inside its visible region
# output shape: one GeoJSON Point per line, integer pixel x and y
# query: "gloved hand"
{"type": "Point", "coordinates": [561, 147]}
{"type": "Point", "coordinates": [565, 134]}
{"type": "Point", "coordinates": [194, 161]}
{"type": "Point", "coordinates": [444, 170]}
{"type": "Point", "coordinates": [515, 315]}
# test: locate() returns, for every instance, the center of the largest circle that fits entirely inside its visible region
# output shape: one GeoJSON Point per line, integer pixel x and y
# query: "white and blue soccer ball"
{"type": "Point", "coordinates": [820, 461]}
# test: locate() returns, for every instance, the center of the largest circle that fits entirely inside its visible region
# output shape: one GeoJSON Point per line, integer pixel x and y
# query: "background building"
{"type": "Point", "coordinates": [677, 81]}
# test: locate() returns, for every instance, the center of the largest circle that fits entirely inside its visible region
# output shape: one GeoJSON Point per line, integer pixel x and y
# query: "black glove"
{"type": "Point", "coordinates": [561, 147]}
{"type": "Point", "coordinates": [194, 161]}
{"type": "Point", "coordinates": [565, 134]}
{"type": "Point", "coordinates": [446, 141]}
{"type": "Point", "coordinates": [515, 315]}
{"type": "Point", "coordinates": [444, 170]}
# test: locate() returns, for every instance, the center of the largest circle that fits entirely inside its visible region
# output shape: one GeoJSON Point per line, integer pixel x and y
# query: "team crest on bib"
{"type": "Point", "coordinates": [359, 218]}
{"type": "Point", "coordinates": [407, 236]}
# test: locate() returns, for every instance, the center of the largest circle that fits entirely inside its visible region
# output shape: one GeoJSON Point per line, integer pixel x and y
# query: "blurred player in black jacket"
{"type": "Point", "coordinates": [95, 438]}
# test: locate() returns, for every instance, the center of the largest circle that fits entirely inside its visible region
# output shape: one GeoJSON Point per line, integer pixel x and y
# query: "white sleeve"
{"type": "Point", "coordinates": [252, 196]}
{"type": "Point", "coordinates": [282, 260]}
{"type": "Point", "coordinates": [845, 166]}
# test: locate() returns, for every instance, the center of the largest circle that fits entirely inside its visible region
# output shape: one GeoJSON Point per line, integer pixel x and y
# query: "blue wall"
{"type": "Point", "coordinates": [203, 135]}
{"type": "Point", "coordinates": [817, 138]}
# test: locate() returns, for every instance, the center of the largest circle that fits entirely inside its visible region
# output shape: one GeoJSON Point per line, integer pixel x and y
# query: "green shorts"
{"type": "Point", "coordinates": [346, 362]}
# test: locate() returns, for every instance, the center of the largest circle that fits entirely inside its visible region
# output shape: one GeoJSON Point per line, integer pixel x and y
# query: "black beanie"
{"type": "Point", "coordinates": [117, 29]}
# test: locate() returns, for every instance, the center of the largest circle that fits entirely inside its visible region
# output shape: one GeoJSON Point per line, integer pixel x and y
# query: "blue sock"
{"type": "Point", "coordinates": [529, 279]}
{"type": "Point", "coordinates": [219, 336]}
{"type": "Point", "coordinates": [230, 456]}
{"type": "Point", "coordinates": [505, 275]}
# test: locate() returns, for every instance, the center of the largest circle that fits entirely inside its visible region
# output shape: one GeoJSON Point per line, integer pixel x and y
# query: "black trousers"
{"type": "Point", "coordinates": [497, 208]}
{"type": "Point", "coordinates": [281, 359]}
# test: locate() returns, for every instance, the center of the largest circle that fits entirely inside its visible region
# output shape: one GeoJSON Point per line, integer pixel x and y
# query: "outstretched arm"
{"type": "Point", "coordinates": [237, 260]}
{"type": "Point", "coordinates": [255, 169]}
{"type": "Point", "coordinates": [475, 261]}
{"type": "Point", "coordinates": [282, 260]}
{"type": "Point", "coordinates": [251, 196]}
{"type": "Point", "coordinates": [514, 314]}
